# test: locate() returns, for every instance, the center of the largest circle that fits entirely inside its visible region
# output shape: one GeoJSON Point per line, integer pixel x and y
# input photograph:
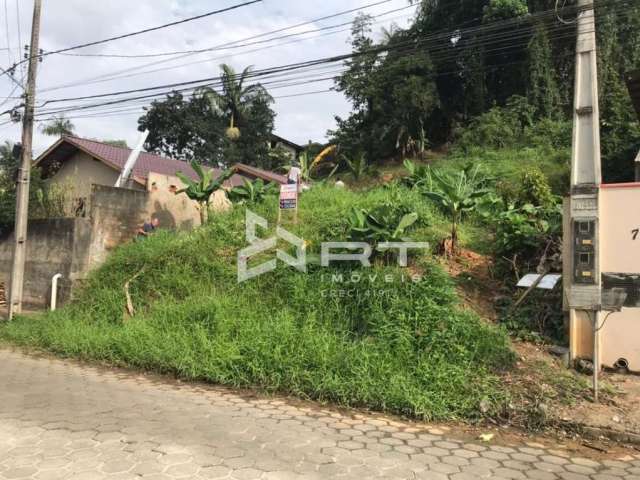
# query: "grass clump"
{"type": "Point", "coordinates": [398, 346]}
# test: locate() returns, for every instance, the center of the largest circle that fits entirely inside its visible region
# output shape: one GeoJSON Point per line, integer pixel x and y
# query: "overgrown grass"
{"type": "Point", "coordinates": [398, 346]}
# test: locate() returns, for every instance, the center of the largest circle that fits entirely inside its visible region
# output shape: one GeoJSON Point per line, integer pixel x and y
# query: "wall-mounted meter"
{"type": "Point", "coordinates": [584, 260]}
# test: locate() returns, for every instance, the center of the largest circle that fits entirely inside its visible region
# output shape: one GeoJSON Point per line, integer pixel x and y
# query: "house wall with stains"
{"type": "Point", "coordinates": [81, 171]}
{"type": "Point", "coordinates": [75, 246]}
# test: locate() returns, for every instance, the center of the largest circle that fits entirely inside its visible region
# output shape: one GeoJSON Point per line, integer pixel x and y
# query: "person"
{"type": "Point", "coordinates": [294, 175]}
{"type": "Point", "coordinates": [148, 228]}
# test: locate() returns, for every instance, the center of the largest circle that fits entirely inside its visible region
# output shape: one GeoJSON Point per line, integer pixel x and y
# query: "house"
{"type": "Point", "coordinates": [292, 148]}
{"type": "Point", "coordinates": [79, 163]}
{"type": "Point", "coordinates": [99, 216]}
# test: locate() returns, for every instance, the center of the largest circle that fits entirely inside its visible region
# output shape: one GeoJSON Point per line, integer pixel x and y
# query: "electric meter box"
{"type": "Point", "coordinates": [584, 258]}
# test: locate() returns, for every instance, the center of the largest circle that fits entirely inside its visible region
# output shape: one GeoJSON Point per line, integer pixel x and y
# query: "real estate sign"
{"type": "Point", "coordinates": [288, 197]}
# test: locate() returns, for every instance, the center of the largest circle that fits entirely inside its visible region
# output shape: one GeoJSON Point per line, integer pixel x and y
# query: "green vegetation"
{"type": "Point", "coordinates": [400, 346]}
{"type": "Point", "coordinates": [227, 127]}
{"type": "Point", "coordinates": [201, 190]}
{"type": "Point", "coordinates": [456, 195]}
{"type": "Point", "coordinates": [502, 78]}
{"type": "Point", "coordinates": [252, 192]}
{"type": "Point", "coordinates": [58, 126]}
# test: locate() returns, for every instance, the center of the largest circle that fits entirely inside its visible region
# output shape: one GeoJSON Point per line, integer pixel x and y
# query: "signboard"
{"type": "Point", "coordinates": [548, 282]}
{"type": "Point", "coordinates": [288, 197]}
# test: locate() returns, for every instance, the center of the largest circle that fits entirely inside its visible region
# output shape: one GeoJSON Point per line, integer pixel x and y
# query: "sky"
{"type": "Point", "coordinates": [66, 23]}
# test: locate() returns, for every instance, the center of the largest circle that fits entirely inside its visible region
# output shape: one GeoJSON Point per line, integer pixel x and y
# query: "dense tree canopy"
{"type": "Point", "coordinates": [197, 127]}
{"type": "Point", "coordinates": [459, 60]}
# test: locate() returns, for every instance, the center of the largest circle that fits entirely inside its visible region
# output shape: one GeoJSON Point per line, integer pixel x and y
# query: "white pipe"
{"type": "Point", "coordinates": [131, 161]}
{"type": "Point", "coordinates": [54, 290]}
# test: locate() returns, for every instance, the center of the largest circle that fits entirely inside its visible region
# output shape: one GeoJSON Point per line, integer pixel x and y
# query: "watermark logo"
{"type": "Point", "coordinates": [330, 251]}
{"type": "Point", "coordinates": [258, 246]}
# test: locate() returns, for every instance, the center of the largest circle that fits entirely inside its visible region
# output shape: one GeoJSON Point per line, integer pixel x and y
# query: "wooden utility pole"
{"type": "Point", "coordinates": [24, 172]}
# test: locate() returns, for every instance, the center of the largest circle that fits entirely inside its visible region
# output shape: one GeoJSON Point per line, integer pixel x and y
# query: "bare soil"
{"type": "Point", "coordinates": [546, 395]}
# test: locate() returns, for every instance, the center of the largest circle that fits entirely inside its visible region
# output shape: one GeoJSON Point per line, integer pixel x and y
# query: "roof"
{"type": "Point", "coordinates": [633, 82]}
{"type": "Point", "coordinates": [116, 157]}
{"type": "Point", "coordinates": [260, 173]}
{"type": "Point", "coordinates": [277, 138]}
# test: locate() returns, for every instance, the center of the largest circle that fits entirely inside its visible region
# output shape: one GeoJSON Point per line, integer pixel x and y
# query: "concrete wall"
{"type": "Point", "coordinates": [620, 337]}
{"type": "Point", "coordinates": [115, 214]}
{"type": "Point", "coordinates": [53, 246]}
{"type": "Point", "coordinates": [74, 246]}
{"type": "Point", "coordinates": [177, 211]}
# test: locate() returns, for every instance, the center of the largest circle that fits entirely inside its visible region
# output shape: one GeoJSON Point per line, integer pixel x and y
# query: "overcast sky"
{"type": "Point", "coordinates": [72, 22]}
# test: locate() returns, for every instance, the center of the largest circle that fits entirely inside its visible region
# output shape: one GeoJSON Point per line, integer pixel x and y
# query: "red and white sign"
{"type": "Point", "coordinates": [288, 196]}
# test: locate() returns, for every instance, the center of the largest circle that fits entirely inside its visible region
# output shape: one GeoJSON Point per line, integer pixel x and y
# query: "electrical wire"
{"type": "Point", "coordinates": [266, 72]}
{"type": "Point", "coordinates": [6, 25]}
{"type": "Point", "coordinates": [22, 66]}
{"type": "Point", "coordinates": [235, 44]}
{"type": "Point", "coordinates": [499, 37]}
{"type": "Point", "coordinates": [231, 44]}
{"type": "Point", "coordinates": [146, 30]}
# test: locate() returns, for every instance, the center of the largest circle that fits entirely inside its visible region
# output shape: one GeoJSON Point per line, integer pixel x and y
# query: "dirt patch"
{"type": "Point", "coordinates": [474, 282]}
{"type": "Point", "coordinates": [549, 397]}
{"type": "Point", "coordinates": [546, 395]}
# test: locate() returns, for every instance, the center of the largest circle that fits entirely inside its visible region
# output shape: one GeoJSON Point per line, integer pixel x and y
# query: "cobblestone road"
{"type": "Point", "coordinates": [61, 420]}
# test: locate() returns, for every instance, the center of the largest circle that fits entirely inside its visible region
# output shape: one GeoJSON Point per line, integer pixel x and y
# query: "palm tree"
{"type": "Point", "coordinates": [236, 97]}
{"type": "Point", "coordinates": [58, 126]}
{"type": "Point", "coordinates": [456, 193]}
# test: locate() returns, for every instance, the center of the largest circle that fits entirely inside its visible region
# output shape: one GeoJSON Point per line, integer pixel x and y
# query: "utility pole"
{"type": "Point", "coordinates": [585, 295]}
{"type": "Point", "coordinates": [24, 172]}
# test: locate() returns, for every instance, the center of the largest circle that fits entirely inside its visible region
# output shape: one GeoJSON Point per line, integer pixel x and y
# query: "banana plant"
{"type": "Point", "coordinates": [308, 165]}
{"type": "Point", "coordinates": [419, 175]}
{"type": "Point", "coordinates": [383, 224]}
{"type": "Point", "coordinates": [251, 192]}
{"type": "Point", "coordinates": [456, 193]}
{"type": "Point", "coordinates": [358, 166]}
{"type": "Point", "coordinates": [201, 190]}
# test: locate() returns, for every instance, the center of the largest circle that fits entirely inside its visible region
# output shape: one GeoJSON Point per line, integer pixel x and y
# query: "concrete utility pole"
{"type": "Point", "coordinates": [24, 172]}
{"type": "Point", "coordinates": [585, 297]}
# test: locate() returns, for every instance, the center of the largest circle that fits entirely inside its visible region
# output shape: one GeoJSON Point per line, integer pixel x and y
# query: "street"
{"type": "Point", "coordinates": [61, 420]}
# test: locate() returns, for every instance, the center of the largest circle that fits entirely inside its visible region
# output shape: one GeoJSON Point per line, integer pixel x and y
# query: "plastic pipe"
{"type": "Point", "coordinates": [54, 290]}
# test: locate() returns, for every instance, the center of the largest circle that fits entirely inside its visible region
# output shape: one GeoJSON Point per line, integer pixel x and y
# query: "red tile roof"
{"type": "Point", "coordinates": [116, 157]}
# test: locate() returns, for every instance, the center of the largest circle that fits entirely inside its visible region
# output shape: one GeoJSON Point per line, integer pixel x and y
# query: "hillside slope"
{"type": "Point", "coordinates": [397, 345]}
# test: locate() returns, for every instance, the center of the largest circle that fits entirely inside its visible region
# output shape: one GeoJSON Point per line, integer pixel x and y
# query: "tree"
{"type": "Point", "coordinates": [236, 98]}
{"type": "Point", "coordinates": [201, 190]}
{"type": "Point", "coordinates": [58, 126]}
{"type": "Point", "coordinates": [8, 166]}
{"type": "Point", "coordinates": [116, 143]}
{"type": "Point", "coordinates": [543, 92]}
{"type": "Point", "coordinates": [456, 193]}
{"type": "Point", "coordinates": [393, 96]}
{"type": "Point", "coordinates": [194, 127]}
{"type": "Point", "coordinates": [183, 128]}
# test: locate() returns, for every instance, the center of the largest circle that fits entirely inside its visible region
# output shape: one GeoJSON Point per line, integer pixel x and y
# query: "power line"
{"type": "Point", "coordinates": [146, 30]}
{"type": "Point", "coordinates": [231, 44]}
{"type": "Point", "coordinates": [500, 36]}
{"type": "Point", "coordinates": [104, 79]}
{"type": "Point", "coordinates": [19, 35]}
{"type": "Point", "coordinates": [6, 26]}
{"type": "Point", "coordinates": [284, 69]}
{"type": "Point", "coordinates": [234, 44]}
